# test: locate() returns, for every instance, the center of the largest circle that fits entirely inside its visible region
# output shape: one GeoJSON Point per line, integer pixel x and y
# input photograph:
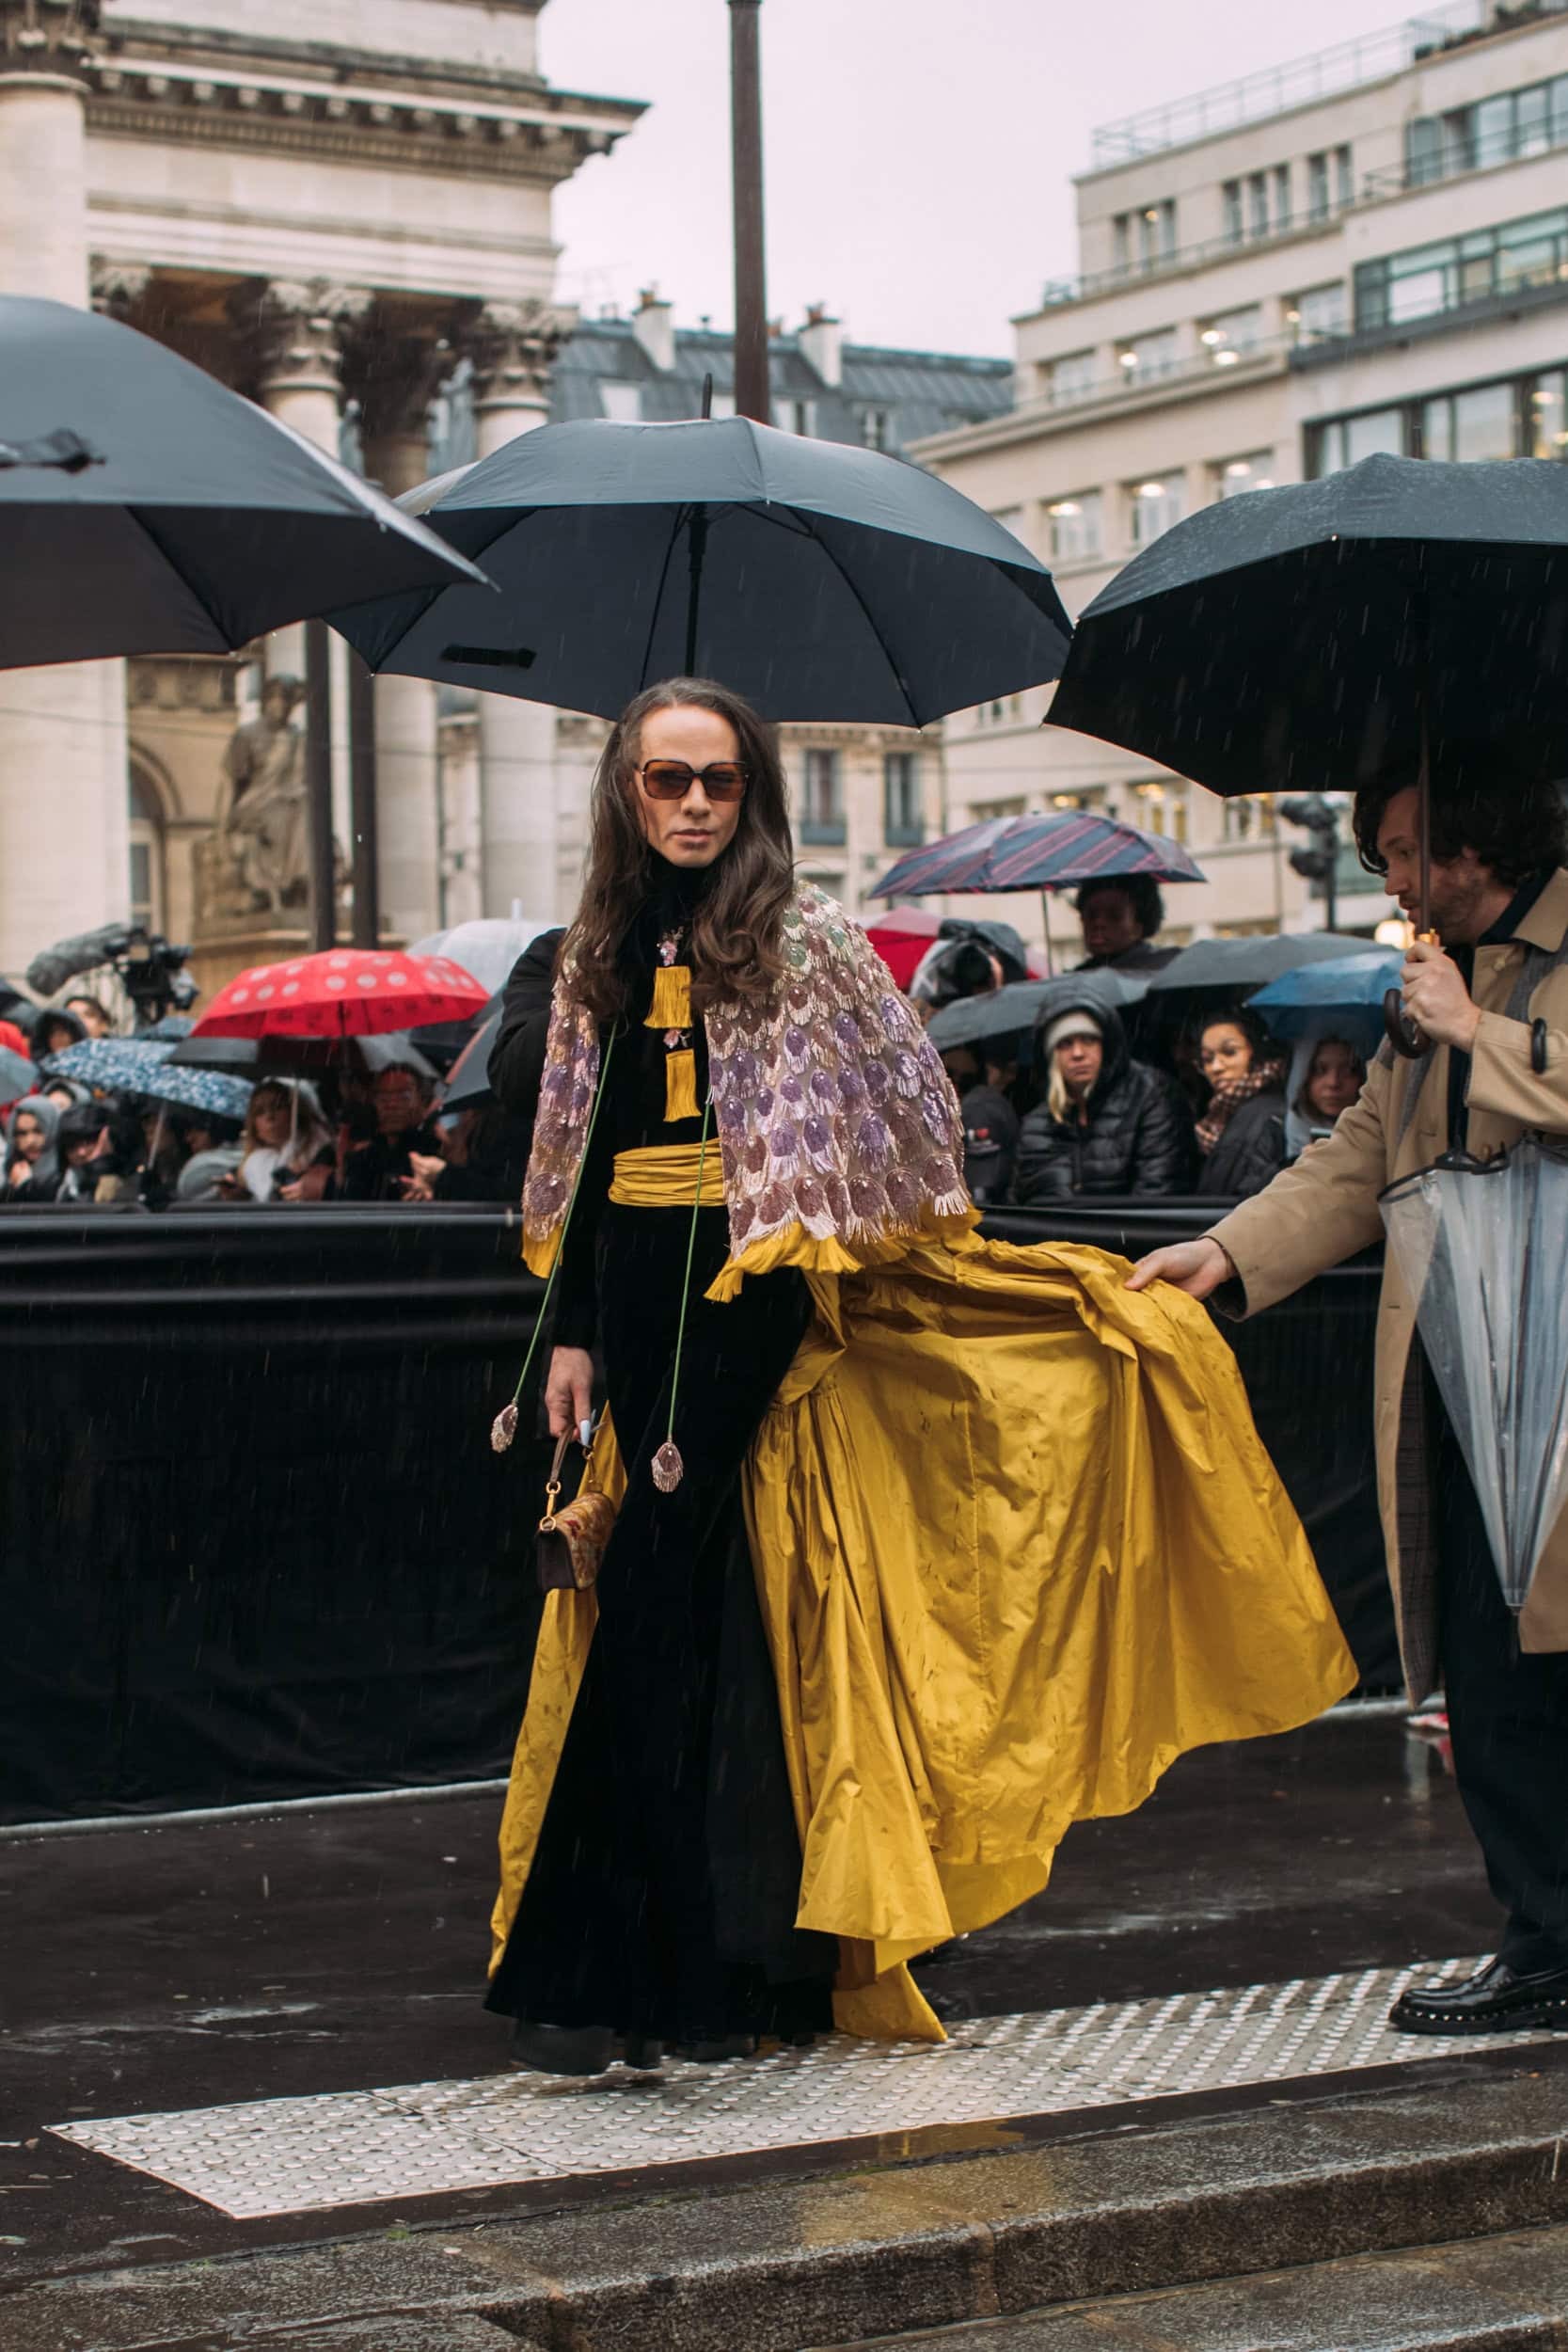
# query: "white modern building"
{"type": "Point", "coordinates": [1366, 249]}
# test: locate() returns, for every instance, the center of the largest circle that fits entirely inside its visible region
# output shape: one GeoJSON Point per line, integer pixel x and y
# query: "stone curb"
{"type": "Point", "coordinates": [875, 2252]}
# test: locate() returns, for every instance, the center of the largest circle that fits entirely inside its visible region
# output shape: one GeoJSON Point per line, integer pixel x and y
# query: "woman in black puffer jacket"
{"type": "Point", "coordinates": [1108, 1125]}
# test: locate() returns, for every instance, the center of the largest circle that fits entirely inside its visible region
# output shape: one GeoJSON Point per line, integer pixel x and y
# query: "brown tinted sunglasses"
{"type": "Point", "coordinates": [672, 779]}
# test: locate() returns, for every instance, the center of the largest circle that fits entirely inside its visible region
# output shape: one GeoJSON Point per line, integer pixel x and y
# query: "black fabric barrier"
{"type": "Point", "coordinates": [256, 1543]}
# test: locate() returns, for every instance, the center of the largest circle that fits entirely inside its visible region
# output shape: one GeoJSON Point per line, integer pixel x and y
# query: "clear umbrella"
{"type": "Point", "coordinates": [1481, 1246]}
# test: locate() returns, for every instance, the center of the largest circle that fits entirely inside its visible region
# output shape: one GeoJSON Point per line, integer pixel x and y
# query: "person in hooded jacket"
{"type": "Point", "coordinates": [32, 1158]}
{"type": "Point", "coordinates": [1241, 1131]}
{"type": "Point", "coordinates": [1108, 1125]}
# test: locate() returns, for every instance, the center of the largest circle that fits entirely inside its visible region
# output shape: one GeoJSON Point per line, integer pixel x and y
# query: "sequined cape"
{"type": "Point", "coordinates": [839, 1130]}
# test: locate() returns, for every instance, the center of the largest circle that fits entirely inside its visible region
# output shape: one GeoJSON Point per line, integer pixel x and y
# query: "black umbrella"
{"type": "Point", "coordinates": [469, 1079]}
{"type": "Point", "coordinates": [145, 508]}
{"type": "Point", "coordinates": [1239, 965]}
{"type": "Point", "coordinates": [1332, 632]}
{"type": "Point", "coordinates": [301, 1057]}
{"type": "Point", "coordinates": [820, 581]}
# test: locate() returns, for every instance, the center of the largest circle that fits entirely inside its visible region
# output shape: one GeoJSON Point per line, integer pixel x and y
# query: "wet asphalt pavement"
{"type": "Point", "coordinates": [196, 1964]}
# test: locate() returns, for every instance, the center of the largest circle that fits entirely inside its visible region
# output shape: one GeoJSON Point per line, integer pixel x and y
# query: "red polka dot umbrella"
{"type": "Point", "coordinates": [342, 991]}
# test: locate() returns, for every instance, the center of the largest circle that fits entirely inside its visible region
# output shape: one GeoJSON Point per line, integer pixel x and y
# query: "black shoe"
{"type": "Point", "coordinates": [718, 2051]}
{"type": "Point", "coordinates": [641, 2053]}
{"type": "Point", "coordinates": [563, 2049]}
{"type": "Point", "coordinates": [1497, 1999]}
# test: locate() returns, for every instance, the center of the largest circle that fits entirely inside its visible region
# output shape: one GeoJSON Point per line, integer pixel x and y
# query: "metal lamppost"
{"type": "Point", "coordinates": [751, 389]}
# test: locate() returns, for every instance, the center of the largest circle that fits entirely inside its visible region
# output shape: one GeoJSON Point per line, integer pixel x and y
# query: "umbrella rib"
{"type": "Point", "coordinates": [682, 515]}
{"type": "Point", "coordinates": [201, 594]}
{"type": "Point", "coordinates": [893, 661]}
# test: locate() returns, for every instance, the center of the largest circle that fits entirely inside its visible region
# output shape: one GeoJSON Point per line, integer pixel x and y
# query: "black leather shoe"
{"type": "Point", "coordinates": [1496, 1999]}
{"type": "Point", "coordinates": [719, 2051]}
{"type": "Point", "coordinates": [641, 2053]}
{"type": "Point", "coordinates": [563, 2049]}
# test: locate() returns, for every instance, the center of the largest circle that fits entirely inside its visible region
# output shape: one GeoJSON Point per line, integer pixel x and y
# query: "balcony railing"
{"type": "Point", "coordinates": [1458, 157]}
{"type": "Point", "coordinates": [822, 832]}
{"type": "Point", "coordinates": [1060, 291]}
{"type": "Point", "coordinates": [1202, 363]}
{"type": "Point", "coordinates": [1325, 73]}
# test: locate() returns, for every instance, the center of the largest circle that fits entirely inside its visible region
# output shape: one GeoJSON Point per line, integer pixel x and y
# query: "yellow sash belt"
{"type": "Point", "coordinates": [664, 1176]}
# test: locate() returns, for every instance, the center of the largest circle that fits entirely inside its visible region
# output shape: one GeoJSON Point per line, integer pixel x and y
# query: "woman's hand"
{"type": "Point", "coordinates": [309, 1186]}
{"type": "Point", "coordinates": [569, 1390]}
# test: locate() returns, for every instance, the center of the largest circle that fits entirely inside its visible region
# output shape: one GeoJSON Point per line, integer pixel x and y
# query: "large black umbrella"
{"type": "Point", "coordinates": [1329, 633]}
{"type": "Point", "coordinates": [145, 508]}
{"type": "Point", "coordinates": [821, 581]}
{"type": "Point", "coordinates": [1236, 966]}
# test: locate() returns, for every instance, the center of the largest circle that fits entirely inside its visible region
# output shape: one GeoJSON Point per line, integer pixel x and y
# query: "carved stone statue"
{"type": "Point", "coordinates": [259, 857]}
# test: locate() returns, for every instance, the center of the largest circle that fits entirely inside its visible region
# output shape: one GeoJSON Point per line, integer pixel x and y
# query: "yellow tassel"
{"type": "Point", "coordinates": [680, 1084]}
{"type": "Point", "coordinates": [672, 1005]}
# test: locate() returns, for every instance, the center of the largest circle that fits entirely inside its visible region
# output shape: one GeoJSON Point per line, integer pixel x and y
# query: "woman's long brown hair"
{"type": "Point", "coordinates": [736, 926]}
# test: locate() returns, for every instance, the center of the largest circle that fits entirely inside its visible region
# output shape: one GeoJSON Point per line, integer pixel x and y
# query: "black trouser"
{"type": "Point", "coordinates": [1507, 1713]}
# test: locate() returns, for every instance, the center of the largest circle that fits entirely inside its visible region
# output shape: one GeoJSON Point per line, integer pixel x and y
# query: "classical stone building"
{"type": "Point", "coordinates": [342, 208]}
{"type": "Point", "coordinates": [1365, 248]}
{"type": "Point", "coordinates": [333, 205]}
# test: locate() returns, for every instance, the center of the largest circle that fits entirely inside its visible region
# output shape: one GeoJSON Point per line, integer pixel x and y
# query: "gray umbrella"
{"type": "Point", "coordinates": [819, 580]}
{"type": "Point", "coordinates": [1239, 965]}
{"type": "Point", "coordinates": [145, 508]}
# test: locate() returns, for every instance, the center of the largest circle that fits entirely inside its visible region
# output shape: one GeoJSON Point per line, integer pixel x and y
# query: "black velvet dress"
{"type": "Point", "coordinates": [662, 1896]}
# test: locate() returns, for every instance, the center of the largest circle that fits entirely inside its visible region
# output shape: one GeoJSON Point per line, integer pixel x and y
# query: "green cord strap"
{"type": "Point", "coordinates": [504, 1427]}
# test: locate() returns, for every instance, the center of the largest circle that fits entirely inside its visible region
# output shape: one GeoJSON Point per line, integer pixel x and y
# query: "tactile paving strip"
{"type": "Point", "coordinates": [424, 2139]}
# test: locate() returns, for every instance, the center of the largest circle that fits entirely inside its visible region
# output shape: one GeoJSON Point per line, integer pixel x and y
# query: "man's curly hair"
{"type": "Point", "coordinates": [1518, 826]}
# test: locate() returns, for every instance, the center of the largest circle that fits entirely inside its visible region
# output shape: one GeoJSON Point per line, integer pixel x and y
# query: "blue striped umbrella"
{"type": "Point", "coordinates": [134, 1065]}
{"type": "Point", "coordinates": [1053, 851]}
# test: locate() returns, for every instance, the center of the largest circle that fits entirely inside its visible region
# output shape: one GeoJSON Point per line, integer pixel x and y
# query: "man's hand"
{"type": "Point", "coordinates": [1436, 997]}
{"type": "Point", "coordinates": [569, 1390]}
{"type": "Point", "coordinates": [1196, 1267]}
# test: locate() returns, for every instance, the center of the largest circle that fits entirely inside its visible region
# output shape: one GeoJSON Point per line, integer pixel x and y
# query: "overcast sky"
{"type": "Point", "coordinates": [919, 153]}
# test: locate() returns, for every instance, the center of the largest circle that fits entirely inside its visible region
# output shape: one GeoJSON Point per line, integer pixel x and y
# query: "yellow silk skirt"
{"type": "Point", "coordinates": [1018, 1546]}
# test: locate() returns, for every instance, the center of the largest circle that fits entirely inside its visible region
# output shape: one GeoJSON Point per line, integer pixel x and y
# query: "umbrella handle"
{"type": "Point", "coordinates": [1405, 1035]}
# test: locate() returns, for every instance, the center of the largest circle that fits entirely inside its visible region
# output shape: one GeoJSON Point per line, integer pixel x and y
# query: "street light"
{"type": "Point", "coordinates": [1319, 819]}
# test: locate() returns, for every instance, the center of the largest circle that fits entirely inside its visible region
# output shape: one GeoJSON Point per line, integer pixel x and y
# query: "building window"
{"type": "Point", "coordinates": [622, 403]}
{"type": "Point", "coordinates": [877, 428]}
{"type": "Point", "coordinates": [1148, 358]}
{"type": "Point", "coordinates": [1317, 188]}
{"type": "Point", "coordinates": [1282, 196]}
{"type": "Point", "coordinates": [1156, 233]}
{"type": "Point", "coordinates": [1237, 474]}
{"type": "Point", "coordinates": [1121, 242]}
{"type": "Point", "coordinates": [1498, 130]}
{"type": "Point", "coordinates": [1069, 378]}
{"type": "Point", "coordinates": [1232, 213]}
{"type": "Point", "coordinates": [1345, 440]}
{"type": "Point", "coordinates": [722, 405]}
{"type": "Point", "coordinates": [145, 876]}
{"type": "Point", "coordinates": [1161, 808]}
{"type": "Point", "coordinates": [822, 800]}
{"type": "Point", "coordinates": [1248, 818]}
{"type": "Point", "coordinates": [1257, 204]}
{"type": "Point", "coordinates": [798, 416]}
{"type": "Point", "coordinates": [902, 825]}
{"type": "Point", "coordinates": [1320, 311]}
{"type": "Point", "coordinates": [1472, 427]}
{"type": "Point", "coordinates": [1425, 280]}
{"type": "Point", "coordinates": [1546, 416]}
{"type": "Point", "coordinates": [1344, 179]}
{"type": "Point", "coordinates": [1155, 505]}
{"type": "Point", "coordinates": [1075, 527]}
{"type": "Point", "coordinates": [1229, 337]}
{"type": "Point", "coordinates": [981, 812]}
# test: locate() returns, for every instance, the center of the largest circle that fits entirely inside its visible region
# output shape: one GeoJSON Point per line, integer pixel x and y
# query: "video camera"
{"type": "Point", "coordinates": [148, 969]}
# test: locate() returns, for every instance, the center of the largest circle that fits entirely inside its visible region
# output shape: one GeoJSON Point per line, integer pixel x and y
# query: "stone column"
{"type": "Point", "coordinates": [512, 346]}
{"type": "Point", "coordinates": [64, 818]}
{"type": "Point", "coordinates": [299, 331]}
{"type": "Point", "coordinates": [399, 378]}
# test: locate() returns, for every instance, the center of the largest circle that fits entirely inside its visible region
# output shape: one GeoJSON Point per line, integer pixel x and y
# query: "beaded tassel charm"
{"type": "Point", "coordinates": [668, 1468]}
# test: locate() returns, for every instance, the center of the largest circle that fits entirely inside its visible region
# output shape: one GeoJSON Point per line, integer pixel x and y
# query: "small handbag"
{"type": "Point", "coordinates": [571, 1541]}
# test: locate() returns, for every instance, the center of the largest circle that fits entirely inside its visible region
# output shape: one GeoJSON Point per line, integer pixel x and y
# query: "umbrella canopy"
{"type": "Point", "coordinates": [1305, 638]}
{"type": "Point", "coordinates": [1349, 990]}
{"type": "Point", "coordinates": [1482, 1246]}
{"type": "Point", "coordinates": [131, 1065]}
{"type": "Point", "coordinates": [469, 1079]}
{"type": "Point", "coordinates": [488, 947]}
{"type": "Point", "coordinates": [341, 992]}
{"type": "Point", "coordinates": [901, 937]}
{"type": "Point", "coordinates": [188, 521]}
{"type": "Point", "coordinates": [18, 1076]}
{"type": "Point", "coordinates": [1056, 850]}
{"type": "Point", "coordinates": [1025, 1004]}
{"type": "Point", "coordinates": [821, 581]}
{"type": "Point", "coordinates": [1239, 965]}
{"type": "Point", "coordinates": [257, 1057]}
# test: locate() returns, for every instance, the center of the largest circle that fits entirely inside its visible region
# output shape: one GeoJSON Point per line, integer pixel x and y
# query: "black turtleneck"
{"type": "Point", "coordinates": [1504, 929]}
{"type": "Point", "coordinates": [632, 1111]}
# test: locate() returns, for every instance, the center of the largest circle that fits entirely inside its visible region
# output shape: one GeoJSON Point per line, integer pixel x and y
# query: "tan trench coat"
{"type": "Point", "coordinates": [1324, 1209]}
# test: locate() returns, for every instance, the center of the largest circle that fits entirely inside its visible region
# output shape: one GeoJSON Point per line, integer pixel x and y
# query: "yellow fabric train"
{"type": "Point", "coordinates": [1017, 1547]}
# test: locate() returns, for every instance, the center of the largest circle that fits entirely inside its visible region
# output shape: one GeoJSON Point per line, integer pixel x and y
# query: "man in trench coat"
{"type": "Point", "coordinates": [1491, 999]}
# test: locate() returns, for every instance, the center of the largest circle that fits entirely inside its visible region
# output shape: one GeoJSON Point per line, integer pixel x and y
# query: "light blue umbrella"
{"type": "Point", "coordinates": [1345, 994]}
{"type": "Point", "coordinates": [134, 1065]}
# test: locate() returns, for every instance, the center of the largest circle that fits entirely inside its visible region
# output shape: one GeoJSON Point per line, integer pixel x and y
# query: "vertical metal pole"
{"type": "Point", "coordinates": [318, 783]}
{"type": "Point", "coordinates": [750, 269]}
{"type": "Point", "coordinates": [1050, 951]}
{"type": "Point", "coordinates": [361, 793]}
